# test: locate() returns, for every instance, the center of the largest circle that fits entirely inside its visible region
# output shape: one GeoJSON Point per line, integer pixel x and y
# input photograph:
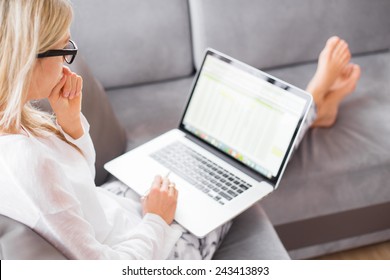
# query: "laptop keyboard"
{"type": "Point", "coordinates": [210, 178]}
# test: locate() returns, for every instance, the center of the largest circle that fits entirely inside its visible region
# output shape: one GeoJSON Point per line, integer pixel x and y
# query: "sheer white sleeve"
{"type": "Point", "coordinates": [84, 143]}
{"type": "Point", "coordinates": [76, 238]}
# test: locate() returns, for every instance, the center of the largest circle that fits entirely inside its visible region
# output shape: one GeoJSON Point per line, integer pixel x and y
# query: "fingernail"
{"type": "Point", "coordinates": [66, 94]}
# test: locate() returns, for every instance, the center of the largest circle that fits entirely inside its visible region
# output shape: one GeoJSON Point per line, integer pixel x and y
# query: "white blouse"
{"type": "Point", "coordinates": [49, 186]}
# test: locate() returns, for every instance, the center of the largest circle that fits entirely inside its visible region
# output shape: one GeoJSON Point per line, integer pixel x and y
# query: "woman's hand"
{"type": "Point", "coordinates": [65, 100]}
{"type": "Point", "coordinates": [161, 200]}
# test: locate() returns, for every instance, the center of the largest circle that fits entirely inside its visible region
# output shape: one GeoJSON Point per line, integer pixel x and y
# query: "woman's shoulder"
{"type": "Point", "coordinates": [27, 160]}
{"type": "Point", "coordinates": [19, 149]}
{"type": "Point", "coordinates": [13, 141]}
{"type": "Point", "coordinates": [31, 178]}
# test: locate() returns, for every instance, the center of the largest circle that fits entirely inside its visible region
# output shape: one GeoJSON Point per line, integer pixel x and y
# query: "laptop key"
{"type": "Point", "coordinates": [205, 175]}
{"type": "Point", "coordinates": [225, 195]}
{"type": "Point", "coordinates": [232, 193]}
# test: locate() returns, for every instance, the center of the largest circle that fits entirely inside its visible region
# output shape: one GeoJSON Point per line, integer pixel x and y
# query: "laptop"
{"type": "Point", "coordinates": [231, 147]}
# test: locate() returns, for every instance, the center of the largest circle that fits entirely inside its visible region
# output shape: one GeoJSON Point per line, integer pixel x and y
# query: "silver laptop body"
{"type": "Point", "coordinates": [231, 147]}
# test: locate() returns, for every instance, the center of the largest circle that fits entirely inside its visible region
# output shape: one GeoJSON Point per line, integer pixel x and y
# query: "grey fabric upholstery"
{"type": "Point", "coordinates": [267, 33]}
{"type": "Point", "coordinates": [335, 172]}
{"type": "Point", "coordinates": [131, 41]}
{"type": "Point", "coordinates": [149, 110]}
{"type": "Point", "coordinates": [108, 136]}
{"type": "Point", "coordinates": [251, 237]}
{"type": "Point", "coordinates": [19, 242]}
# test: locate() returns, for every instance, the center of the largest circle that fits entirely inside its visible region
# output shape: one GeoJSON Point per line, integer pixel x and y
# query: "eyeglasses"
{"type": "Point", "coordinates": [69, 52]}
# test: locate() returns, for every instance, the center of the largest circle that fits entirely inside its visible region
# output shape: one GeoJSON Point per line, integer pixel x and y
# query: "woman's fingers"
{"type": "Point", "coordinates": [157, 182]}
{"type": "Point", "coordinates": [79, 85]}
{"type": "Point", "coordinates": [172, 189]}
{"type": "Point", "coordinates": [156, 185]}
{"type": "Point", "coordinates": [57, 89]}
{"type": "Point", "coordinates": [73, 85]}
{"type": "Point", "coordinates": [66, 70]}
{"type": "Point", "coordinates": [165, 184]}
{"type": "Point", "coordinates": [67, 86]}
{"type": "Point", "coordinates": [162, 199]}
{"type": "Point", "coordinates": [72, 91]}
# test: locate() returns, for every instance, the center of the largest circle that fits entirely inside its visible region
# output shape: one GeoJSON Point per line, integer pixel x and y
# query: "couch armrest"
{"type": "Point", "coordinates": [19, 242]}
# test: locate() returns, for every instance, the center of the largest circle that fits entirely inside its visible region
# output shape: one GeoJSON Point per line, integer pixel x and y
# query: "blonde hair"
{"type": "Point", "coordinates": [27, 28]}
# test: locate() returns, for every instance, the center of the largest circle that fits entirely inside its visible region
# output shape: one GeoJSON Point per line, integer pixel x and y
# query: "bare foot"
{"type": "Point", "coordinates": [343, 78]}
{"type": "Point", "coordinates": [345, 85]}
{"type": "Point", "coordinates": [331, 62]}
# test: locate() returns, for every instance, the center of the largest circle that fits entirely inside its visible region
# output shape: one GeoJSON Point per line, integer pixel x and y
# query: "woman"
{"type": "Point", "coordinates": [47, 164]}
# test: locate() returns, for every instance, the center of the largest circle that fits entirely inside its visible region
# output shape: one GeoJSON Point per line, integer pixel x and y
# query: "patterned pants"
{"type": "Point", "coordinates": [190, 247]}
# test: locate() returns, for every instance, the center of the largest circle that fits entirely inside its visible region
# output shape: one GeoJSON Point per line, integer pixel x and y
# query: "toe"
{"type": "Point", "coordinates": [345, 58]}
{"type": "Point", "coordinates": [332, 41]}
{"type": "Point", "coordinates": [340, 48]}
{"type": "Point", "coordinates": [330, 46]}
{"type": "Point", "coordinates": [356, 72]}
{"type": "Point", "coordinates": [357, 69]}
{"type": "Point", "coordinates": [347, 70]}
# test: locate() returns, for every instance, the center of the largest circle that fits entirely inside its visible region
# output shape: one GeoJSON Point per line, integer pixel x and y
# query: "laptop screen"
{"type": "Point", "coordinates": [245, 113]}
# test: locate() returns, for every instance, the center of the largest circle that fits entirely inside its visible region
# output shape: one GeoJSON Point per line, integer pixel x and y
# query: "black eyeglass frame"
{"type": "Point", "coordinates": [63, 52]}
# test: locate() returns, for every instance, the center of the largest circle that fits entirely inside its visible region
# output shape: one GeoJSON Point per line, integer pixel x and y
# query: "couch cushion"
{"type": "Point", "coordinates": [130, 41]}
{"type": "Point", "coordinates": [267, 33]}
{"type": "Point", "coordinates": [251, 237]}
{"type": "Point", "coordinates": [107, 134]}
{"type": "Point", "coordinates": [149, 110]}
{"type": "Point", "coordinates": [338, 172]}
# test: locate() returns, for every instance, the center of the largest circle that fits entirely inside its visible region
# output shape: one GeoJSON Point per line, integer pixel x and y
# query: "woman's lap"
{"type": "Point", "coordinates": [188, 246]}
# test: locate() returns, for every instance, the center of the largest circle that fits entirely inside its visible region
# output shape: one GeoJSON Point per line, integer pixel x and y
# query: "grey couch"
{"type": "Point", "coordinates": [334, 194]}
